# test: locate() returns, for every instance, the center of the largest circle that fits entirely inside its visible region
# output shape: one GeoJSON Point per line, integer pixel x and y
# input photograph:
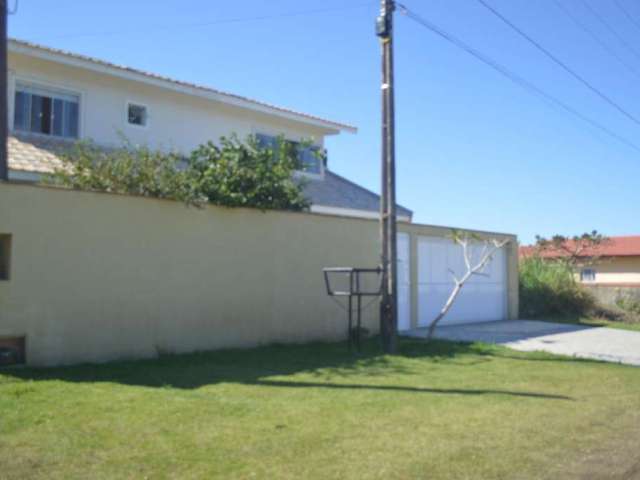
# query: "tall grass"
{"type": "Point", "coordinates": [548, 288]}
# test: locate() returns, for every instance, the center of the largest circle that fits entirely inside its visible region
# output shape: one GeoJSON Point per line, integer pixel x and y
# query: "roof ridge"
{"type": "Point", "coordinates": [614, 237]}
{"type": "Point", "coordinates": [618, 246]}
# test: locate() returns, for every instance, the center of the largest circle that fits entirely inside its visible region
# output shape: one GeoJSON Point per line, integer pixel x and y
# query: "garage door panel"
{"type": "Point", "coordinates": [483, 297]}
{"type": "Point", "coordinates": [404, 307]}
{"type": "Point", "coordinates": [432, 260]}
{"type": "Point", "coordinates": [455, 261]}
{"type": "Point", "coordinates": [404, 282]}
{"type": "Point", "coordinates": [474, 304]}
{"type": "Point", "coordinates": [427, 311]}
{"type": "Point", "coordinates": [404, 263]}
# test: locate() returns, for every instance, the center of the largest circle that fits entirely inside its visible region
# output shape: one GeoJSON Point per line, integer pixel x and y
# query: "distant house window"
{"type": "Point", "coordinates": [588, 275]}
{"type": "Point", "coordinates": [137, 114]}
{"type": "Point", "coordinates": [44, 111]}
{"type": "Point", "coordinates": [309, 157]}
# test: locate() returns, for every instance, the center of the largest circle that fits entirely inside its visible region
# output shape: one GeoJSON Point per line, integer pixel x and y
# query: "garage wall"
{"type": "Point", "coordinates": [96, 277]}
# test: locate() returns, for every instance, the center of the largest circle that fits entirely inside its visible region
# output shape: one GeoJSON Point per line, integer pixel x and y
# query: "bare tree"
{"type": "Point", "coordinates": [575, 251]}
{"type": "Point", "coordinates": [489, 249]}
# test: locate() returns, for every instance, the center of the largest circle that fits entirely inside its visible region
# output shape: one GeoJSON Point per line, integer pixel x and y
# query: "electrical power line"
{"type": "Point", "coordinates": [513, 77]}
{"type": "Point", "coordinates": [595, 37]}
{"type": "Point", "coordinates": [611, 29]}
{"type": "Point", "coordinates": [221, 21]}
{"type": "Point", "coordinates": [627, 14]}
{"type": "Point", "coordinates": [559, 62]}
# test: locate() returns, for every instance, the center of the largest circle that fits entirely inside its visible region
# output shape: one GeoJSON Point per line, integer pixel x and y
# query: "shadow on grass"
{"type": "Point", "coordinates": [324, 361]}
{"type": "Point", "coordinates": [396, 388]}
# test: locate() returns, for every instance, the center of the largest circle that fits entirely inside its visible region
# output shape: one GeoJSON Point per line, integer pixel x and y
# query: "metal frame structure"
{"type": "Point", "coordinates": [355, 290]}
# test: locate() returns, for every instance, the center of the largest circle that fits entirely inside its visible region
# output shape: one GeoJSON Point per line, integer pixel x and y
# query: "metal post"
{"type": "Point", "coordinates": [388, 304]}
{"type": "Point", "coordinates": [350, 313]}
{"type": "Point", "coordinates": [359, 312]}
{"type": "Point", "coordinates": [4, 167]}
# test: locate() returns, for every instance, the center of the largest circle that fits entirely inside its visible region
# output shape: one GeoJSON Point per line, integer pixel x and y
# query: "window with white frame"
{"type": "Point", "coordinates": [309, 157]}
{"type": "Point", "coordinates": [46, 111]}
{"type": "Point", "coordinates": [588, 275]}
{"type": "Point", "coordinates": [137, 114]}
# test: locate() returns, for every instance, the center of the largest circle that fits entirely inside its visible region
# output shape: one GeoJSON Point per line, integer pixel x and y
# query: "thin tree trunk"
{"type": "Point", "coordinates": [447, 306]}
{"type": "Point", "coordinates": [486, 257]}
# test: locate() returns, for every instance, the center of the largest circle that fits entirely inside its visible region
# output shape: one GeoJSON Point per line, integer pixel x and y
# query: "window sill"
{"type": "Point", "coordinates": [26, 134]}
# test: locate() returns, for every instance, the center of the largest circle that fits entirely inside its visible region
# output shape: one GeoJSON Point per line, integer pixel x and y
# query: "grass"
{"type": "Point", "coordinates": [438, 411]}
{"type": "Point", "coordinates": [591, 321]}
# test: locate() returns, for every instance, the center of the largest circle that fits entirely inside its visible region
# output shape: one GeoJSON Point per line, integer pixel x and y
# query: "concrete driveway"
{"type": "Point", "coordinates": [599, 343]}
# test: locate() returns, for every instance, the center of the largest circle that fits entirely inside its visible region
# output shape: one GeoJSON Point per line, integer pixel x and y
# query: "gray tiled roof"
{"type": "Point", "coordinates": [336, 191]}
{"type": "Point", "coordinates": [37, 154]}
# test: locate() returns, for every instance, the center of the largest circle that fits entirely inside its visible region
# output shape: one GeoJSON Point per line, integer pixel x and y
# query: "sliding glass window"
{"type": "Point", "coordinates": [47, 112]}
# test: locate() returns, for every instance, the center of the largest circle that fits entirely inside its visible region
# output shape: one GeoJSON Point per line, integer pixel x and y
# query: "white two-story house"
{"type": "Point", "coordinates": [57, 97]}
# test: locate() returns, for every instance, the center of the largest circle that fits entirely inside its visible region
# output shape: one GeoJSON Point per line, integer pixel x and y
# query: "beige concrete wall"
{"type": "Point", "coordinates": [611, 294]}
{"type": "Point", "coordinates": [96, 277]}
{"type": "Point", "coordinates": [616, 271]}
{"type": "Point", "coordinates": [103, 101]}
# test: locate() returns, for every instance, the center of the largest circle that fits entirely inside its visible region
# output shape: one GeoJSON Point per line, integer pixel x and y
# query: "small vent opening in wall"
{"type": "Point", "coordinates": [5, 255]}
{"type": "Point", "coordinates": [12, 351]}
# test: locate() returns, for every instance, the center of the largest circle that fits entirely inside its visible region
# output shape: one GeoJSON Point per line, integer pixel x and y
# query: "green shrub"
{"type": "Point", "coordinates": [128, 170]}
{"type": "Point", "coordinates": [243, 174]}
{"type": "Point", "coordinates": [548, 288]}
{"type": "Point", "coordinates": [628, 304]}
{"type": "Point", "coordinates": [234, 173]}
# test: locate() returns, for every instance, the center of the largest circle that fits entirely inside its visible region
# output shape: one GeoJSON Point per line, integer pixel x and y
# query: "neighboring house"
{"type": "Point", "coordinates": [617, 264]}
{"type": "Point", "coordinates": [57, 97]}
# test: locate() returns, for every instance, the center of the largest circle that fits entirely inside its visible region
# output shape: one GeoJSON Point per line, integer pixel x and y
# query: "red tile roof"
{"type": "Point", "coordinates": [625, 246]}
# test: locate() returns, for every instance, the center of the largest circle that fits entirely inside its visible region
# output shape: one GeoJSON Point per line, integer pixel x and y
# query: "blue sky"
{"type": "Point", "coordinates": [473, 150]}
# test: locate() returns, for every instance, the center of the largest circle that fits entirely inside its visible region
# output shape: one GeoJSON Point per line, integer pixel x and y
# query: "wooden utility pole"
{"type": "Point", "coordinates": [388, 303]}
{"type": "Point", "coordinates": [4, 167]}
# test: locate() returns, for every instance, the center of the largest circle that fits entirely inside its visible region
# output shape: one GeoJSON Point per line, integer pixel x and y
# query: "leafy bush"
{"type": "Point", "coordinates": [233, 174]}
{"type": "Point", "coordinates": [136, 171]}
{"type": "Point", "coordinates": [242, 174]}
{"type": "Point", "coordinates": [548, 288]}
{"type": "Point", "coordinates": [628, 304]}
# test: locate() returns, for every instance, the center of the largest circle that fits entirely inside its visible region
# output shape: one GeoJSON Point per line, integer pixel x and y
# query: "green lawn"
{"type": "Point", "coordinates": [442, 411]}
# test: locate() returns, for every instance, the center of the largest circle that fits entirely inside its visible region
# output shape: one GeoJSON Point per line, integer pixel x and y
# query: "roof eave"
{"type": "Point", "coordinates": [126, 73]}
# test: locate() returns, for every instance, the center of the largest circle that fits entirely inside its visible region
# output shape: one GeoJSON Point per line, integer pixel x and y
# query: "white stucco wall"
{"type": "Point", "coordinates": [176, 121]}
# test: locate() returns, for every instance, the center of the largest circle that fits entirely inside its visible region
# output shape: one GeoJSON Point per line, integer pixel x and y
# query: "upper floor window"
{"type": "Point", "coordinates": [588, 275]}
{"type": "Point", "coordinates": [137, 114]}
{"type": "Point", "coordinates": [45, 111]}
{"type": "Point", "coordinates": [309, 157]}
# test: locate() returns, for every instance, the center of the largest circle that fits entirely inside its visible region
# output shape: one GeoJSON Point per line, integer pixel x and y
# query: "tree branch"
{"type": "Point", "coordinates": [471, 270]}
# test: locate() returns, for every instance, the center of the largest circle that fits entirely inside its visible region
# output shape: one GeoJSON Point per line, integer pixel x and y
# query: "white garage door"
{"type": "Point", "coordinates": [483, 297]}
